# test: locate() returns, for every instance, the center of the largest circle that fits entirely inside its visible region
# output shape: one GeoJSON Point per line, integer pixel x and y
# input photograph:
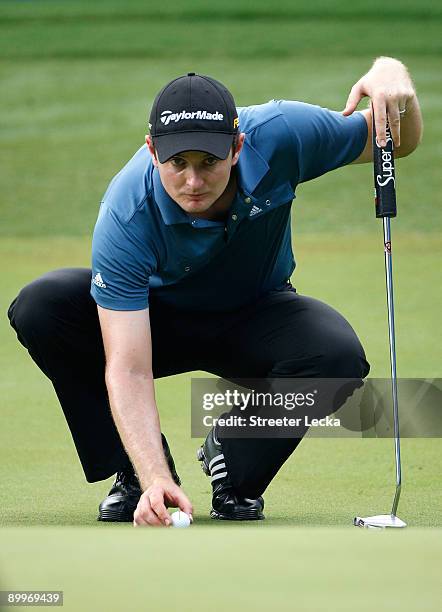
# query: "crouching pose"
{"type": "Point", "coordinates": [191, 268]}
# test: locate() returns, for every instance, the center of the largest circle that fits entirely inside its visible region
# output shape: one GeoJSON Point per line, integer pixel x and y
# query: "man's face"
{"type": "Point", "coordinates": [193, 179]}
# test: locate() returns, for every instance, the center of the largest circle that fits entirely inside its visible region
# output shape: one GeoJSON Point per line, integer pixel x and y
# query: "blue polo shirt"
{"type": "Point", "coordinates": [145, 244]}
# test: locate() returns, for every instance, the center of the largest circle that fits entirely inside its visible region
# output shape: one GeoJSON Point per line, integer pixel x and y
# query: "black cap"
{"type": "Point", "coordinates": [193, 113]}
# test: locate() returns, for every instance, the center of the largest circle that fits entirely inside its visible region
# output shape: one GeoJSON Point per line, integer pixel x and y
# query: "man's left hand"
{"type": "Point", "coordinates": [391, 90]}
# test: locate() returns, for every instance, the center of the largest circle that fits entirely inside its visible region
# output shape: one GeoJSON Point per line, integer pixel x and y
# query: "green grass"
{"type": "Point", "coordinates": [217, 38]}
{"type": "Point", "coordinates": [78, 78]}
{"type": "Point", "coordinates": [249, 10]}
{"type": "Point", "coordinates": [170, 570]}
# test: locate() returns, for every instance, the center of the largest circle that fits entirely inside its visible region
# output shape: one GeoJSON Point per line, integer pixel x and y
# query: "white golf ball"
{"type": "Point", "coordinates": [180, 519]}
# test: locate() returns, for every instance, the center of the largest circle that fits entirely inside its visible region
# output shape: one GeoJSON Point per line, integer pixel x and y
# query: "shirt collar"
{"type": "Point", "coordinates": [252, 167]}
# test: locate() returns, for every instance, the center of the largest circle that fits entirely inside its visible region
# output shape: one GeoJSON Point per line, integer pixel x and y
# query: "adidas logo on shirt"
{"type": "Point", "coordinates": [255, 210]}
{"type": "Point", "coordinates": [97, 280]}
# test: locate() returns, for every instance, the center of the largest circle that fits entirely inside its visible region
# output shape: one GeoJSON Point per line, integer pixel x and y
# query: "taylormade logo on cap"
{"type": "Point", "coordinates": [167, 116]}
{"type": "Point", "coordinates": [193, 113]}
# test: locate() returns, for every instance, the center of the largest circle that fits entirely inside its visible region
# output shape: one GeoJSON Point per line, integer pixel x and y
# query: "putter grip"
{"type": "Point", "coordinates": [384, 175]}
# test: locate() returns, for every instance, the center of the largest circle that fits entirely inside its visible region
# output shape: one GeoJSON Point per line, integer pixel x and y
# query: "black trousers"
{"type": "Point", "coordinates": [281, 334]}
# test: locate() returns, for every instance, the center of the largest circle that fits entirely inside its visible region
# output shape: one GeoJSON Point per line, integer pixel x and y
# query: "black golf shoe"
{"type": "Point", "coordinates": [226, 504]}
{"type": "Point", "coordinates": [122, 500]}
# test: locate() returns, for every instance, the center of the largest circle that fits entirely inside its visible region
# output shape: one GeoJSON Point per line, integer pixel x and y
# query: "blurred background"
{"type": "Point", "coordinates": [77, 82]}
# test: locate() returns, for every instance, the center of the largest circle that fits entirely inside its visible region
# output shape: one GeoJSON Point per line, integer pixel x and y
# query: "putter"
{"type": "Point", "coordinates": [385, 200]}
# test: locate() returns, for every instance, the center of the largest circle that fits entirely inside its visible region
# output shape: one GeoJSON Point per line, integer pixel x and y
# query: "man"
{"type": "Point", "coordinates": [191, 266]}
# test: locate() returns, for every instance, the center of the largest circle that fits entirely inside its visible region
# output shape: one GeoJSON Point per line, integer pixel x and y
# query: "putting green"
{"type": "Point", "coordinates": [115, 569]}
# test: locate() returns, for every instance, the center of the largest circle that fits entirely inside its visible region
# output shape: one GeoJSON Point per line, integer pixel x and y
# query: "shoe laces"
{"type": "Point", "coordinates": [127, 477]}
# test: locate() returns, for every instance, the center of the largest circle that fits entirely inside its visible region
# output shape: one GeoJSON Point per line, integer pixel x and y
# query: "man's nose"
{"type": "Point", "coordinates": [194, 180]}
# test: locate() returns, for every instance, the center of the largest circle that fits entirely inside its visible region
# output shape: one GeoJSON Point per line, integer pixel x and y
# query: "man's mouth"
{"type": "Point", "coordinates": [196, 196]}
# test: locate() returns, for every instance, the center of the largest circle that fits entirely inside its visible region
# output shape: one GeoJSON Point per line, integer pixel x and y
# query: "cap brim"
{"type": "Point", "coordinates": [216, 144]}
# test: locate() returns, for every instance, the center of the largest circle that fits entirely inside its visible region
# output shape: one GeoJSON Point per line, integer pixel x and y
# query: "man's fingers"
{"type": "Point", "coordinates": [394, 121]}
{"type": "Point", "coordinates": [157, 504]}
{"type": "Point", "coordinates": [179, 499]}
{"type": "Point", "coordinates": [380, 119]}
{"type": "Point", "coordinates": [184, 504]}
{"type": "Point", "coordinates": [186, 507]}
{"type": "Point", "coordinates": [355, 96]}
{"type": "Point", "coordinates": [151, 509]}
{"type": "Point", "coordinates": [140, 522]}
{"type": "Point", "coordinates": [146, 519]}
{"type": "Point", "coordinates": [144, 515]}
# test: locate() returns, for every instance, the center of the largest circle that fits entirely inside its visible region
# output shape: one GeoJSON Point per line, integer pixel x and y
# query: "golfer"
{"type": "Point", "coordinates": [191, 268]}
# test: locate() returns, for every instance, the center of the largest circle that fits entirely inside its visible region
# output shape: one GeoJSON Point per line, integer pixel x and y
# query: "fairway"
{"type": "Point", "coordinates": [78, 79]}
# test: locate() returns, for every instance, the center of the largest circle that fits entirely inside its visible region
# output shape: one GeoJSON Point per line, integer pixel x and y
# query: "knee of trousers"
{"type": "Point", "coordinates": [39, 303]}
{"type": "Point", "coordinates": [346, 359]}
{"type": "Point", "coordinates": [341, 358]}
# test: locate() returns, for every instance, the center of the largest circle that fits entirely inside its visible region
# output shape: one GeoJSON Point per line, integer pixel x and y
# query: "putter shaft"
{"type": "Point", "coordinates": [391, 333]}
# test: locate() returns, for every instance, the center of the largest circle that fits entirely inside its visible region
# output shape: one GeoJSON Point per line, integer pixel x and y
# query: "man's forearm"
{"type": "Point", "coordinates": [132, 400]}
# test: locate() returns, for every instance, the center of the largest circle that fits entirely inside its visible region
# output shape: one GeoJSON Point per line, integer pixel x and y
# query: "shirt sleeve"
{"type": "Point", "coordinates": [122, 262]}
{"type": "Point", "coordinates": [320, 139]}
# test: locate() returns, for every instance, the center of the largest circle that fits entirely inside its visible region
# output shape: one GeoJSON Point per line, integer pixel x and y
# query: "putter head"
{"type": "Point", "coordinates": [380, 521]}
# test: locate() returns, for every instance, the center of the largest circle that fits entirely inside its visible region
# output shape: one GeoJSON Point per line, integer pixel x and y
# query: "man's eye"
{"type": "Point", "coordinates": [177, 162]}
{"type": "Point", "coordinates": [211, 161]}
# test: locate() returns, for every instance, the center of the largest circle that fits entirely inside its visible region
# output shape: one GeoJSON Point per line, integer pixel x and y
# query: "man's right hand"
{"type": "Point", "coordinates": [153, 503]}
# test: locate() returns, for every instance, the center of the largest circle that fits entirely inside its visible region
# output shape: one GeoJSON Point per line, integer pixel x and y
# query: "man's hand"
{"type": "Point", "coordinates": [391, 90]}
{"type": "Point", "coordinates": [152, 506]}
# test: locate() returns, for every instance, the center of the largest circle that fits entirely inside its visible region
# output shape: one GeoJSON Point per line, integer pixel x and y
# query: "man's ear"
{"type": "Point", "coordinates": [149, 143]}
{"type": "Point", "coordinates": [239, 146]}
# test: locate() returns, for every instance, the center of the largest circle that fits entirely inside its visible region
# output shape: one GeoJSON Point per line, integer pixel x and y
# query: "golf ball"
{"type": "Point", "coordinates": [180, 519]}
